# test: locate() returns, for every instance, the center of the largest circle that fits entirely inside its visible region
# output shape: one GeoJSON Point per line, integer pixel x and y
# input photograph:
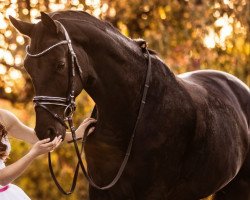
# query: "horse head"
{"type": "Point", "coordinates": [51, 73]}
{"type": "Point", "coordinates": [104, 65]}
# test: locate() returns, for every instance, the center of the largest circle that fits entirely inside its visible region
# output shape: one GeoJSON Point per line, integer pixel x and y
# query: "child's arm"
{"type": "Point", "coordinates": [16, 128]}
{"type": "Point", "coordinates": [13, 171]}
{"type": "Point", "coordinates": [20, 131]}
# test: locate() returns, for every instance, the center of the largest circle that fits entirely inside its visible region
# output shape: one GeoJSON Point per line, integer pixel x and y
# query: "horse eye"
{"type": "Point", "coordinates": [60, 66]}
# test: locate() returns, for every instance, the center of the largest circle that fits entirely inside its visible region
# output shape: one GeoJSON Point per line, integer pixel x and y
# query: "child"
{"type": "Point", "coordinates": [10, 125]}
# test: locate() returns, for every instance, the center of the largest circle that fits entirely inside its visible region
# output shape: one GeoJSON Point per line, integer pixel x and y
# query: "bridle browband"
{"type": "Point", "coordinates": [69, 104]}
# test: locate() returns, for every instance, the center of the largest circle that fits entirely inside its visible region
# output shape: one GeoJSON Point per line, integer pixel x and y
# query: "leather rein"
{"type": "Point", "coordinates": [70, 106]}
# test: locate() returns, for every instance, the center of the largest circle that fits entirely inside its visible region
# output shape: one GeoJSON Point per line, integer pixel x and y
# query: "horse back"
{"type": "Point", "coordinates": [222, 86]}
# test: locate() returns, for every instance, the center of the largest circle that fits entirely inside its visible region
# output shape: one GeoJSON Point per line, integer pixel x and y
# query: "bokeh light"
{"type": "Point", "coordinates": [8, 57]}
{"type": "Point", "coordinates": [2, 69]}
{"type": "Point", "coordinates": [8, 90]}
{"type": "Point", "coordinates": [20, 39]}
{"type": "Point", "coordinates": [15, 74]}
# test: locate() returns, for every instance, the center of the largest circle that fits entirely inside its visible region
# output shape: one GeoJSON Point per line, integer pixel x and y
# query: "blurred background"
{"type": "Point", "coordinates": [187, 34]}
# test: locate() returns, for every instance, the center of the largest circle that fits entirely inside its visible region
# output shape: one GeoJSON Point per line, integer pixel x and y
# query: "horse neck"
{"type": "Point", "coordinates": [118, 67]}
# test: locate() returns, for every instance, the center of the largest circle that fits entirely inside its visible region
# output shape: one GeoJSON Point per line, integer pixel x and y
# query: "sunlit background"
{"type": "Point", "coordinates": [188, 35]}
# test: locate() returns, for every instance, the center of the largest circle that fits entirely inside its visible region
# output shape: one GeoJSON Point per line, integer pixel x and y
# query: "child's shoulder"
{"type": "Point", "coordinates": [7, 118]}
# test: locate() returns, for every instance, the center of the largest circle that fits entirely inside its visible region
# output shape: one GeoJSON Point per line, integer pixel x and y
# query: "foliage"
{"type": "Point", "coordinates": [187, 34]}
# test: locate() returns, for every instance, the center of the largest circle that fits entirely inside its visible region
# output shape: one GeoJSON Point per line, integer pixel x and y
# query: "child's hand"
{"type": "Point", "coordinates": [45, 146]}
{"type": "Point", "coordinates": [81, 129]}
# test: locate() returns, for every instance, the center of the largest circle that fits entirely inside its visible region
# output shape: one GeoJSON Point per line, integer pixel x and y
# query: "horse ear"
{"type": "Point", "coordinates": [23, 27]}
{"type": "Point", "coordinates": [49, 23]}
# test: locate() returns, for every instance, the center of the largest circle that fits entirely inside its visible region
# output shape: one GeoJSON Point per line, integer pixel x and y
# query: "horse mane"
{"type": "Point", "coordinates": [78, 15]}
{"type": "Point", "coordinates": [102, 24]}
{"type": "Point", "coordinates": [108, 28]}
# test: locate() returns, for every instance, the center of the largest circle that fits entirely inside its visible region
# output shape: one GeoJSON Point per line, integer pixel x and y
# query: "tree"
{"type": "Point", "coordinates": [188, 35]}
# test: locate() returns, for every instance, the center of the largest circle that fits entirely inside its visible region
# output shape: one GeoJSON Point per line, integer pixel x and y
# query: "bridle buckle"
{"type": "Point", "coordinates": [69, 110]}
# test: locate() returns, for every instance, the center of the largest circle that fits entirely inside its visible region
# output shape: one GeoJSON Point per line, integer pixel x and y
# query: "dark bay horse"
{"type": "Point", "coordinates": [193, 138]}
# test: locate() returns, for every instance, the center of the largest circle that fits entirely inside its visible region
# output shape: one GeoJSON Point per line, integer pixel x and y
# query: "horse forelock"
{"type": "Point", "coordinates": [35, 39]}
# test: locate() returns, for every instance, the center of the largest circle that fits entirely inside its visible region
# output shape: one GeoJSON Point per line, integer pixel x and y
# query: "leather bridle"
{"type": "Point", "coordinates": [69, 104]}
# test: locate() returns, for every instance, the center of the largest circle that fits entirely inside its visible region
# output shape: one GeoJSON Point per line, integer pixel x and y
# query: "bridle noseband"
{"type": "Point", "coordinates": [69, 104]}
{"type": "Point", "coordinates": [43, 101]}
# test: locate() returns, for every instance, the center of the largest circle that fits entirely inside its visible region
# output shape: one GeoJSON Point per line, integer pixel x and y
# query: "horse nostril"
{"type": "Point", "coordinates": [51, 132]}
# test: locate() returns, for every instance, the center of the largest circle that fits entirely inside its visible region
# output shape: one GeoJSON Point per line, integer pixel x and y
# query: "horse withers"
{"type": "Point", "coordinates": [193, 135]}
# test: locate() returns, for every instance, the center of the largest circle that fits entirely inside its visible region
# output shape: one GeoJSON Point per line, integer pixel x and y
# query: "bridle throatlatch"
{"type": "Point", "coordinates": [69, 104]}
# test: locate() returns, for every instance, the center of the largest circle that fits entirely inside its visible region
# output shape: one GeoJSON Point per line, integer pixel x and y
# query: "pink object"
{"type": "Point", "coordinates": [4, 188]}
